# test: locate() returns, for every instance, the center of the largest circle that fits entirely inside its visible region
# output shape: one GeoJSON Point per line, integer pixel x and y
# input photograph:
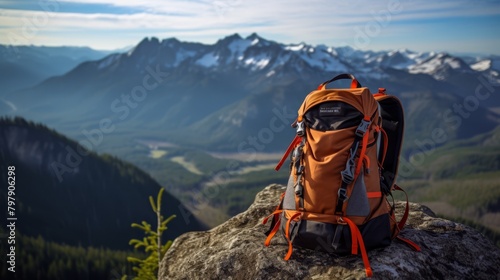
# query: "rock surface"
{"type": "Point", "coordinates": [235, 250]}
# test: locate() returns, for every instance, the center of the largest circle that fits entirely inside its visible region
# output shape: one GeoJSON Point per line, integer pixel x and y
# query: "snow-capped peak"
{"type": "Point", "coordinates": [254, 53]}
{"type": "Point", "coordinates": [437, 64]}
{"type": "Point", "coordinates": [482, 65]}
{"type": "Point", "coordinates": [256, 39]}
{"type": "Point", "coordinates": [238, 47]}
{"type": "Point", "coordinates": [488, 63]}
{"type": "Point", "coordinates": [295, 47]}
{"type": "Point", "coordinates": [327, 49]}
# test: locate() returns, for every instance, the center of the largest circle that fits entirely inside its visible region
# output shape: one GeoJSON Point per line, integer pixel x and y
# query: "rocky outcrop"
{"type": "Point", "coordinates": [235, 250]}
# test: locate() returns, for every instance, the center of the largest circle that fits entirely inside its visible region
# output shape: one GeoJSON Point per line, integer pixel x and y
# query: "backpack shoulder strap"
{"type": "Point", "coordinates": [393, 127]}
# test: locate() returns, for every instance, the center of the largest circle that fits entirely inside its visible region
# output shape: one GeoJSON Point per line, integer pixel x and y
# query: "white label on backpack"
{"type": "Point", "coordinates": [330, 110]}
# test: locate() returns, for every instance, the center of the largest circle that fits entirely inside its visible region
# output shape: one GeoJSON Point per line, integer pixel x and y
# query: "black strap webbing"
{"type": "Point", "coordinates": [347, 175]}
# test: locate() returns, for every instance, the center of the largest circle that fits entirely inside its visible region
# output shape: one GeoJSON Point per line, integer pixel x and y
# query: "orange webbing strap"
{"type": "Point", "coordinates": [357, 239]}
{"type": "Point", "coordinates": [287, 235]}
{"type": "Point", "coordinates": [402, 222]}
{"type": "Point", "coordinates": [374, 194]}
{"type": "Point", "coordinates": [354, 83]}
{"type": "Point", "coordinates": [276, 220]}
{"type": "Point", "coordinates": [292, 145]}
{"type": "Point", "coordinates": [366, 159]}
{"type": "Point", "coordinates": [381, 92]}
{"type": "Point", "coordinates": [363, 149]}
{"type": "Point", "coordinates": [277, 210]}
{"type": "Point", "coordinates": [410, 243]}
{"type": "Point", "coordinates": [276, 227]}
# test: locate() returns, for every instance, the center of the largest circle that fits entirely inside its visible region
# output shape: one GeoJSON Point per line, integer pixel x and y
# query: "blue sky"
{"type": "Point", "coordinates": [465, 26]}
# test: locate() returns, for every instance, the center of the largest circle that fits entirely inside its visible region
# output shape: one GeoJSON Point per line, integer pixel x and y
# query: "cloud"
{"type": "Point", "coordinates": [314, 21]}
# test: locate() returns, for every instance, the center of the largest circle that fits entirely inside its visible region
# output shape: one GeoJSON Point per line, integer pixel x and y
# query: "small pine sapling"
{"type": "Point", "coordinates": [151, 243]}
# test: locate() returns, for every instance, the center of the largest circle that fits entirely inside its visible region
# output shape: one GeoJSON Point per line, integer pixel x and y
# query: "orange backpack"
{"type": "Point", "coordinates": [344, 162]}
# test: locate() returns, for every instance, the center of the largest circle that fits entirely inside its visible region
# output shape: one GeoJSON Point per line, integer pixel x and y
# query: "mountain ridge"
{"type": "Point", "coordinates": [24, 66]}
{"type": "Point", "coordinates": [236, 44]}
{"type": "Point", "coordinates": [200, 85]}
{"type": "Point", "coordinates": [70, 195]}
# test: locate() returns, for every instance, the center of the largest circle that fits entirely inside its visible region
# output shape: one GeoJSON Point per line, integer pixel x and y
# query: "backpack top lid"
{"type": "Point", "coordinates": [359, 98]}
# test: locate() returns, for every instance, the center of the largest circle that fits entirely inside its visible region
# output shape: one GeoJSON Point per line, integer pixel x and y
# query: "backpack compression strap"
{"type": "Point", "coordinates": [402, 223]}
{"type": "Point", "coordinates": [275, 223]}
{"type": "Point", "coordinates": [357, 240]}
{"type": "Point", "coordinates": [292, 145]}
{"type": "Point", "coordinates": [289, 238]}
{"type": "Point", "coordinates": [352, 169]}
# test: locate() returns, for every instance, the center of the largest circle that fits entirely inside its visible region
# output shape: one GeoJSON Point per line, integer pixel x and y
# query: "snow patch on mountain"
{"type": "Point", "coordinates": [491, 63]}
{"type": "Point", "coordinates": [238, 47]}
{"type": "Point", "coordinates": [270, 73]}
{"type": "Point", "coordinates": [208, 60]}
{"type": "Point", "coordinates": [402, 59]}
{"type": "Point", "coordinates": [482, 65]}
{"type": "Point", "coordinates": [322, 57]}
{"type": "Point", "coordinates": [436, 64]}
{"type": "Point", "coordinates": [327, 49]}
{"type": "Point", "coordinates": [258, 62]}
{"type": "Point", "coordinates": [182, 55]}
{"type": "Point", "coordinates": [295, 48]}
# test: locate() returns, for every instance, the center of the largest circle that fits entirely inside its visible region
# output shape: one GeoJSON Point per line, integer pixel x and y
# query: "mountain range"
{"type": "Point", "coordinates": [25, 66]}
{"type": "Point", "coordinates": [225, 96]}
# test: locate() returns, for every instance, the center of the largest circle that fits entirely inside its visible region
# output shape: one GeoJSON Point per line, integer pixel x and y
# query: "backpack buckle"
{"type": "Point", "coordinates": [362, 128]}
{"type": "Point", "coordinates": [300, 128]}
{"type": "Point", "coordinates": [342, 193]}
{"type": "Point", "coordinates": [298, 189]}
{"type": "Point", "coordinates": [348, 172]}
{"type": "Point", "coordinates": [299, 170]}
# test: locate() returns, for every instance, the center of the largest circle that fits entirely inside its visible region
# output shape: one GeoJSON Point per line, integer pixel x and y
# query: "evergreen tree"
{"type": "Point", "coordinates": [148, 268]}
